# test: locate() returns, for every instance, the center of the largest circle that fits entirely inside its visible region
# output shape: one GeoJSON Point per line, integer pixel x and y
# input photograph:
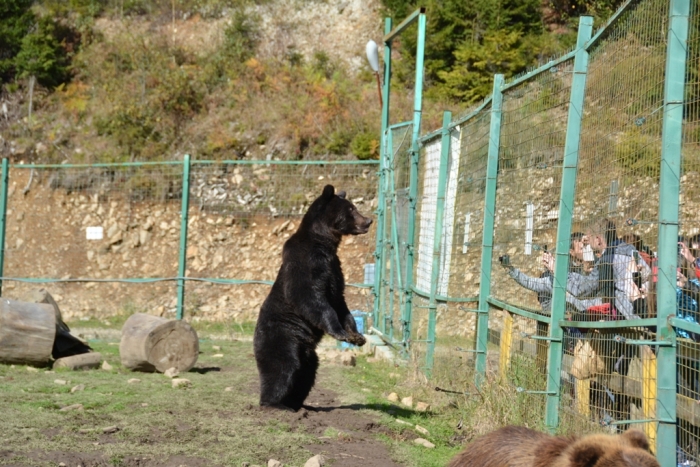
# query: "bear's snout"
{"type": "Point", "coordinates": [363, 225]}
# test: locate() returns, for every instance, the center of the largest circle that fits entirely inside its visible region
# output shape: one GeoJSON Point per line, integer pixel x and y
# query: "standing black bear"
{"type": "Point", "coordinates": [305, 302]}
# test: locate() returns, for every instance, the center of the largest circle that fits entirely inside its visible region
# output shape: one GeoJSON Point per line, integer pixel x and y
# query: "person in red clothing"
{"type": "Point", "coordinates": [688, 252]}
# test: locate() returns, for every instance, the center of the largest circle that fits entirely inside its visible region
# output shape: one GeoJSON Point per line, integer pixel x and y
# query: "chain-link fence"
{"type": "Point", "coordinates": [567, 211]}
{"type": "Point", "coordinates": [115, 238]}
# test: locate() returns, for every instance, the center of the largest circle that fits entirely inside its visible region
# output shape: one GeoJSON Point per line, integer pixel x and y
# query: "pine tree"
{"type": "Point", "coordinates": [42, 56]}
{"type": "Point", "coordinates": [16, 19]}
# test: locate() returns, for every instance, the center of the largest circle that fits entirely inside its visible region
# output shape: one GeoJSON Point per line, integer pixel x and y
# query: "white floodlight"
{"type": "Point", "coordinates": [372, 55]}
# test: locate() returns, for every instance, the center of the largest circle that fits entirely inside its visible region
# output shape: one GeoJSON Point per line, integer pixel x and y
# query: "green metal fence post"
{"type": "Point", "coordinates": [566, 211]}
{"type": "Point", "coordinates": [4, 182]}
{"type": "Point", "coordinates": [182, 259]}
{"type": "Point", "coordinates": [386, 324]}
{"type": "Point", "coordinates": [413, 187]}
{"type": "Point", "coordinates": [437, 239]}
{"type": "Point", "coordinates": [379, 254]}
{"type": "Point", "coordinates": [669, 191]}
{"type": "Point", "coordinates": [482, 318]}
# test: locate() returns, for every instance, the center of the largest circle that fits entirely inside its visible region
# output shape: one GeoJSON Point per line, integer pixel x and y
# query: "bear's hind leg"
{"type": "Point", "coordinates": [275, 388]}
{"type": "Point", "coordinates": [303, 380]}
{"type": "Point", "coordinates": [276, 376]}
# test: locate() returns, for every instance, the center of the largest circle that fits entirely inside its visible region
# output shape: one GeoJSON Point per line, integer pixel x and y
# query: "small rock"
{"type": "Point", "coordinates": [134, 380]}
{"type": "Point", "coordinates": [31, 369]}
{"type": "Point", "coordinates": [228, 389]}
{"type": "Point", "coordinates": [110, 429]}
{"type": "Point", "coordinates": [144, 404]}
{"type": "Point", "coordinates": [424, 443]}
{"type": "Point", "coordinates": [422, 406]}
{"type": "Point", "coordinates": [71, 407]}
{"type": "Point", "coordinates": [218, 355]}
{"type": "Point", "coordinates": [274, 463]}
{"type": "Point", "coordinates": [61, 464]}
{"type": "Point", "coordinates": [180, 382]}
{"type": "Point", "coordinates": [171, 372]}
{"type": "Point", "coordinates": [106, 366]}
{"type": "Point", "coordinates": [348, 359]}
{"type": "Point", "coordinates": [403, 423]}
{"type": "Point", "coordinates": [393, 397]}
{"type": "Point", "coordinates": [80, 387]}
{"type": "Point", "coordinates": [60, 381]}
{"type": "Point", "coordinates": [316, 461]}
{"type": "Point", "coordinates": [407, 401]}
{"type": "Point", "coordinates": [216, 347]}
{"type": "Point", "coordinates": [422, 430]}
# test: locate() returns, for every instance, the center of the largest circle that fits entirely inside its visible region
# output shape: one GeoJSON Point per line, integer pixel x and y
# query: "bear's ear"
{"type": "Point", "coordinates": [585, 455]}
{"type": "Point", "coordinates": [636, 438]}
{"type": "Point", "coordinates": [341, 194]}
{"type": "Point", "coordinates": [328, 192]}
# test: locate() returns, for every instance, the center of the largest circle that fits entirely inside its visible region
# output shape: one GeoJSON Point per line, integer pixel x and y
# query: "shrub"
{"type": "Point", "coordinates": [639, 153]}
{"type": "Point", "coordinates": [365, 145]}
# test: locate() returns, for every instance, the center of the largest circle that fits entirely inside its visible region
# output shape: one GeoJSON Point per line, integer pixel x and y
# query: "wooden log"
{"type": "Point", "coordinates": [65, 343]}
{"type": "Point", "coordinates": [27, 332]}
{"type": "Point", "coordinates": [85, 361]}
{"type": "Point", "coordinates": [150, 343]}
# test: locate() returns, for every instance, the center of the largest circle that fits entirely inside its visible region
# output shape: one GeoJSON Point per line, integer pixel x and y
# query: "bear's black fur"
{"type": "Point", "coordinates": [306, 301]}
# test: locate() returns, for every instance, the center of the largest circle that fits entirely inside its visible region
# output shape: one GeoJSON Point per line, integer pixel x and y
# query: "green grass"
{"type": "Point", "coordinates": [205, 421]}
{"type": "Point", "coordinates": [206, 330]}
{"type": "Point", "coordinates": [155, 420]}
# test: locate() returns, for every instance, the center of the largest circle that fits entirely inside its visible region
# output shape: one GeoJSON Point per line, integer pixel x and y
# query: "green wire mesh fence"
{"type": "Point", "coordinates": [392, 291]}
{"type": "Point", "coordinates": [595, 169]}
{"type": "Point", "coordinates": [688, 350]}
{"type": "Point", "coordinates": [108, 239]}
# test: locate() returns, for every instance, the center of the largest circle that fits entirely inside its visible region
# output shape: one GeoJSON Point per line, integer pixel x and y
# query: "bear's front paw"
{"type": "Point", "coordinates": [357, 339]}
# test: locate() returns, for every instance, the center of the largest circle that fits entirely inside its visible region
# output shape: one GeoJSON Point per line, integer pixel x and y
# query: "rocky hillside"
{"type": "Point", "coordinates": [276, 79]}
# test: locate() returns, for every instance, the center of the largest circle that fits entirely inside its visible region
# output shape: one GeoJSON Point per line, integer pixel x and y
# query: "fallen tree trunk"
{"type": "Point", "coordinates": [85, 361]}
{"type": "Point", "coordinates": [150, 343]}
{"type": "Point", "coordinates": [27, 332]}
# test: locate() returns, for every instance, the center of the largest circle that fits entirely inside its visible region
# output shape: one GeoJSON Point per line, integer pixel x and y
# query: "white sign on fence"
{"type": "Point", "coordinates": [94, 233]}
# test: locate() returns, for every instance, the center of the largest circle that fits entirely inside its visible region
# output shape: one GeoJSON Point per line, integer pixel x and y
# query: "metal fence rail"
{"type": "Point", "coordinates": [556, 232]}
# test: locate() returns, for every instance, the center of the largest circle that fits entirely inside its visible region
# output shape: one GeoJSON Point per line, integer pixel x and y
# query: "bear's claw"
{"type": "Point", "coordinates": [357, 339]}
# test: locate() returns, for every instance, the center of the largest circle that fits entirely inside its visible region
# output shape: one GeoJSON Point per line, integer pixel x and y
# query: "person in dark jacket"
{"type": "Point", "coordinates": [623, 276]}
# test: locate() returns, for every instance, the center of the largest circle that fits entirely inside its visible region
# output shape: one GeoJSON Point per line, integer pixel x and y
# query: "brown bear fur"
{"type": "Point", "coordinates": [515, 446]}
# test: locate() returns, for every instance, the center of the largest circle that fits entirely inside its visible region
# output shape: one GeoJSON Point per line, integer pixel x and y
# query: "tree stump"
{"type": "Point", "coordinates": [150, 343]}
{"type": "Point", "coordinates": [27, 332]}
{"type": "Point", "coordinates": [65, 343]}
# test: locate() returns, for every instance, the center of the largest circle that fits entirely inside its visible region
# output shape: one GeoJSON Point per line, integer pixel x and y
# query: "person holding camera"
{"type": "Point", "coordinates": [579, 286]}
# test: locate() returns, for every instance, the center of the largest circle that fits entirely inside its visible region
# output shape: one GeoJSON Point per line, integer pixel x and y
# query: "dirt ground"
{"type": "Point", "coordinates": [357, 445]}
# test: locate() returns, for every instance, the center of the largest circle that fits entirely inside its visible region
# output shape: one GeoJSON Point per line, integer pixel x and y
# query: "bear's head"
{"type": "Point", "coordinates": [332, 213]}
{"type": "Point", "coordinates": [630, 449]}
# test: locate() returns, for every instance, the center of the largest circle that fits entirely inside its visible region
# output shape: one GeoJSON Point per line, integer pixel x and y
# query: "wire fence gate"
{"type": "Point", "coordinates": [552, 232]}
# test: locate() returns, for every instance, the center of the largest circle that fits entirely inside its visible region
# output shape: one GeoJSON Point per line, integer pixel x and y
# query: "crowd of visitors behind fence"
{"type": "Point", "coordinates": [614, 277]}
